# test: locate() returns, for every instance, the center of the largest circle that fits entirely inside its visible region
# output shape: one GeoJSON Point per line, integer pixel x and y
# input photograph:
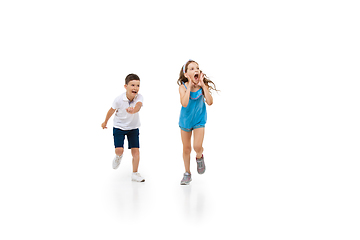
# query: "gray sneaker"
{"type": "Point", "coordinates": [186, 179]}
{"type": "Point", "coordinates": [201, 165]}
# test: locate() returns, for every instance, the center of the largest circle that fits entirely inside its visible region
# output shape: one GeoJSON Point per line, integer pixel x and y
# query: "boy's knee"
{"type": "Point", "coordinates": [135, 152]}
{"type": "Point", "coordinates": [119, 151]}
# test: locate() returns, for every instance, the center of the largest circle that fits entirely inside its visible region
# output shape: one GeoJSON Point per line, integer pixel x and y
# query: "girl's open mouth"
{"type": "Point", "coordinates": [196, 76]}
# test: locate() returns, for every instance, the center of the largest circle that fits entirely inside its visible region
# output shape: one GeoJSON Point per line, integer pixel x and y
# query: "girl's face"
{"type": "Point", "coordinates": [193, 72]}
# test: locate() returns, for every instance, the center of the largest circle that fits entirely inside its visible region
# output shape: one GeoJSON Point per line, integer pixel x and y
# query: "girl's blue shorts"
{"type": "Point", "coordinates": [132, 137]}
{"type": "Point", "coordinates": [190, 129]}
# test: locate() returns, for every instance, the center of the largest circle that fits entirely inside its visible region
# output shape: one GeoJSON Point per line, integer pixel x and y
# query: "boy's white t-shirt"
{"type": "Point", "coordinates": [123, 119]}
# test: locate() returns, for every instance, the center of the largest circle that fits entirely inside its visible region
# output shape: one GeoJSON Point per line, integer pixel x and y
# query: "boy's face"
{"type": "Point", "coordinates": [132, 88]}
{"type": "Point", "coordinates": [193, 72]}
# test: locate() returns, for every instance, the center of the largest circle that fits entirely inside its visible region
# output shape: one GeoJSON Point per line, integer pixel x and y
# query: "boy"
{"type": "Point", "coordinates": [127, 122]}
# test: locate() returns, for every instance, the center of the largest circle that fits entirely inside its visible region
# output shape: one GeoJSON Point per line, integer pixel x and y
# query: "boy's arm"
{"type": "Point", "coordinates": [137, 107]}
{"type": "Point", "coordinates": [108, 116]}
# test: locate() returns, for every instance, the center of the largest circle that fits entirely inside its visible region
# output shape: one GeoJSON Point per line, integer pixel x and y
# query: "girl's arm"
{"type": "Point", "coordinates": [208, 97]}
{"type": "Point", "coordinates": [108, 116]}
{"type": "Point", "coordinates": [184, 95]}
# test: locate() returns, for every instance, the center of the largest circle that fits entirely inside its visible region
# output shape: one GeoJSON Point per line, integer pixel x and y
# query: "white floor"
{"type": "Point", "coordinates": [79, 196]}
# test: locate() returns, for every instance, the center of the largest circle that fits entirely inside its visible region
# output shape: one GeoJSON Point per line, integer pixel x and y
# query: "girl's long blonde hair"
{"type": "Point", "coordinates": [182, 79]}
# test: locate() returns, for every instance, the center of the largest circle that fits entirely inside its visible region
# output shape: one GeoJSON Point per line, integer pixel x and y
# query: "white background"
{"type": "Point", "coordinates": [282, 138]}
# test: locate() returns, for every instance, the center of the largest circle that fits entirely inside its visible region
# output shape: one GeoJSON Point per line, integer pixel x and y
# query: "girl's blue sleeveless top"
{"type": "Point", "coordinates": [195, 112]}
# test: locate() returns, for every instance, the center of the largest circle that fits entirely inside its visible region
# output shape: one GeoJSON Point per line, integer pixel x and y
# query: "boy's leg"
{"type": "Point", "coordinates": [117, 160]}
{"type": "Point", "coordinates": [136, 158]}
{"type": "Point", "coordinates": [119, 151]}
{"type": "Point", "coordinates": [186, 140]}
{"type": "Point", "coordinates": [198, 141]}
{"type": "Point", "coordinates": [134, 145]}
{"type": "Point", "coordinates": [119, 136]}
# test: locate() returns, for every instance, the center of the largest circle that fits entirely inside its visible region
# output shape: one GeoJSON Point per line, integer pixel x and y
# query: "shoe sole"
{"type": "Point", "coordinates": [186, 183]}
{"type": "Point", "coordinates": [116, 167]}
{"type": "Point", "coordinates": [138, 181]}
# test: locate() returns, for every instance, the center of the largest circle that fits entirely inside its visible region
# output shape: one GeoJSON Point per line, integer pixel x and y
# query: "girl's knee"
{"type": "Point", "coordinates": [198, 148]}
{"type": "Point", "coordinates": [187, 150]}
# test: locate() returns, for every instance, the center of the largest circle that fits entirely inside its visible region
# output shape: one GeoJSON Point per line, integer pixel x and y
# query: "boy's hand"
{"type": "Point", "coordinates": [103, 125]}
{"type": "Point", "coordinates": [130, 110]}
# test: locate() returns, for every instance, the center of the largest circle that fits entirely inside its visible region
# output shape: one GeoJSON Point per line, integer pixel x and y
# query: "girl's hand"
{"type": "Point", "coordinates": [201, 80]}
{"type": "Point", "coordinates": [103, 125]}
{"type": "Point", "coordinates": [191, 83]}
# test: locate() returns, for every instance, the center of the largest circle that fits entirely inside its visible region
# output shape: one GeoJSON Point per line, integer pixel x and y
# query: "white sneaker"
{"type": "Point", "coordinates": [136, 177]}
{"type": "Point", "coordinates": [117, 161]}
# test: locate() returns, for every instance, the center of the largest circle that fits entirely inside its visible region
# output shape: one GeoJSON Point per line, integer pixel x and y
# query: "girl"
{"type": "Point", "coordinates": [194, 93]}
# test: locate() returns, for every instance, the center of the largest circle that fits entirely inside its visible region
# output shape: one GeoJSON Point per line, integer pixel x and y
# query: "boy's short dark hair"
{"type": "Point", "coordinates": [131, 77]}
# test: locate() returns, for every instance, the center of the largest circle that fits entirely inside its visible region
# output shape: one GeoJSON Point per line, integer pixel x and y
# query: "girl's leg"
{"type": "Point", "coordinates": [198, 141]}
{"type": "Point", "coordinates": [136, 158]}
{"type": "Point", "coordinates": [186, 140]}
